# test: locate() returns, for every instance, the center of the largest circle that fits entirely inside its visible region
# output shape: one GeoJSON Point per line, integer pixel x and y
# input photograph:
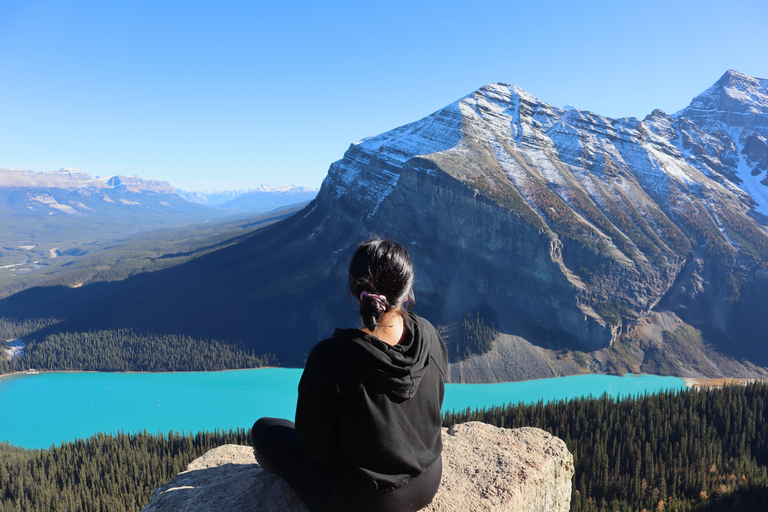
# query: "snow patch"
{"type": "Point", "coordinates": [15, 348]}
{"type": "Point", "coordinates": [437, 132]}
{"type": "Point", "coordinates": [81, 205]}
{"type": "Point", "coordinates": [64, 208]}
{"type": "Point", "coordinates": [44, 198]}
{"type": "Point", "coordinates": [370, 169]}
{"type": "Point", "coordinates": [750, 184]}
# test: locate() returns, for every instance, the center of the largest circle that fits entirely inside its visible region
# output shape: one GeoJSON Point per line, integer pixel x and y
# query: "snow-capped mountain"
{"type": "Point", "coordinates": [730, 121]}
{"type": "Point", "coordinates": [584, 225]}
{"type": "Point", "coordinates": [211, 197]}
{"type": "Point", "coordinates": [581, 225]}
{"type": "Point", "coordinates": [68, 178]}
{"type": "Point", "coordinates": [50, 206]}
{"type": "Point", "coordinates": [259, 199]}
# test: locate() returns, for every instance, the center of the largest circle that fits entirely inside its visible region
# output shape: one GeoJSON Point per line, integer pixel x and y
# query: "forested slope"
{"type": "Point", "coordinates": [694, 450]}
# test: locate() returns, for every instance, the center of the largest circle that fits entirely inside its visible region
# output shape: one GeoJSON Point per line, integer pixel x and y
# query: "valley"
{"type": "Point", "coordinates": [75, 263]}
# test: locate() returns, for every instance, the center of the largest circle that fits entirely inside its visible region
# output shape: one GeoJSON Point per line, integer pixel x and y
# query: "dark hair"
{"type": "Point", "coordinates": [383, 268]}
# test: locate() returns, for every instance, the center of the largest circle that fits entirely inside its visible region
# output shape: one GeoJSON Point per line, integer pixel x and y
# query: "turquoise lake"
{"type": "Point", "coordinates": [37, 411]}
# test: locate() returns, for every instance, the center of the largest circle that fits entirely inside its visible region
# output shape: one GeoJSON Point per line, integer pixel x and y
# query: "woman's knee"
{"type": "Point", "coordinates": [267, 430]}
{"type": "Point", "coordinates": [259, 430]}
{"type": "Point", "coordinates": [259, 426]}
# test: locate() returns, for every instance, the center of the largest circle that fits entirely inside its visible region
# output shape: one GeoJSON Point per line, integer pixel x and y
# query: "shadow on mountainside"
{"type": "Point", "coordinates": [273, 292]}
{"type": "Point", "coordinates": [748, 499]}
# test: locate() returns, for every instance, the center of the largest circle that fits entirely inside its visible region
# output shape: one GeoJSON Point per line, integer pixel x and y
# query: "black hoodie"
{"type": "Point", "coordinates": [371, 411]}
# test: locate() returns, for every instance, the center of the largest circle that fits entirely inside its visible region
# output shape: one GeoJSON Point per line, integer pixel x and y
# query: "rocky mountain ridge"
{"type": "Point", "coordinates": [261, 198]}
{"type": "Point", "coordinates": [70, 205]}
{"type": "Point", "coordinates": [223, 196]}
{"type": "Point", "coordinates": [572, 226]}
{"type": "Point", "coordinates": [69, 178]}
{"type": "Point", "coordinates": [622, 204]}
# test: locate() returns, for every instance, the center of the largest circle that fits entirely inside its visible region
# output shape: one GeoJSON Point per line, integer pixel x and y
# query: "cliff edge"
{"type": "Point", "coordinates": [485, 469]}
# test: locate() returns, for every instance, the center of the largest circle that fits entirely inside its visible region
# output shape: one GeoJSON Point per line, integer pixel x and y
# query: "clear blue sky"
{"type": "Point", "coordinates": [229, 94]}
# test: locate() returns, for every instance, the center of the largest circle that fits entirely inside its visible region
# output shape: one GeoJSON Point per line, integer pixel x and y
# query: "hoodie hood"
{"type": "Point", "coordinates": [397, 370]}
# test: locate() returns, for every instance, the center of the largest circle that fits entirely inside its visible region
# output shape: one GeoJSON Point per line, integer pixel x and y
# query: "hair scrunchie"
{"type": "Point", "coordinates": [381, 299]}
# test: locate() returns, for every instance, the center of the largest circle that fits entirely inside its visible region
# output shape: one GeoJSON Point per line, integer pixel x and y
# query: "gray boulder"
{"type": "Point", "coordinates": [485, 468]}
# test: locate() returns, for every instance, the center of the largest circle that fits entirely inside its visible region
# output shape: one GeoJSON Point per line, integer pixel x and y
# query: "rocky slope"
{"type": "Point", "coordinates": [572, 226]}
{"type": "Point", "coordinates": [576, 231]}
{"type": "Point", "coordinates": [485, 469]}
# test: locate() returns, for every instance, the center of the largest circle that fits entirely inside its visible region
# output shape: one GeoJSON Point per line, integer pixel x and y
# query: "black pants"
{"type": "Point", "coordinates": [278, 443]}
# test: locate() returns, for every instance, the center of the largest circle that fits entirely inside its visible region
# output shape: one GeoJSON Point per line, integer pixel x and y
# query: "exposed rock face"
{"type": "Point", "coordinates": [493, 469]}
{"type": "Point", "coordinates": [136, 184]}
{"type": "Point", "coordinates": [485, 469]}
{"type": "Point", "coordinates": [228, 479]}
{"type": "Point", "coordinates": [512, 359]}
{"type": "Point", "coordinates": [580, 223]}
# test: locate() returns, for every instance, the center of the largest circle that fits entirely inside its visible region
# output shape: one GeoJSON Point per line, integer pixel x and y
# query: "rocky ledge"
{"type": "Point", "coordinates": [485, 468]}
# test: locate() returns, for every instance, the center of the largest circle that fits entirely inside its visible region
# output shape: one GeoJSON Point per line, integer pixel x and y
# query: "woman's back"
{"type": "Point", "coordinates": [371, 409]}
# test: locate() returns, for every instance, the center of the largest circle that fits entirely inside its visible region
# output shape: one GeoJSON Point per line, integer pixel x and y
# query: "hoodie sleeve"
{"type": "Point", "coordinates": [317, 409]}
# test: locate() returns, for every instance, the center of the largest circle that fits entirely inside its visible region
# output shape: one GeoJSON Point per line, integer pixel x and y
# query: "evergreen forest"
{"type": "Point", "coordinates": [105, 473]}
{"type": "Point", "coordinates": [124, 350]}
{"type": "Point", "coordinates": [692, 450]}
{"type": "Point", "coordinates": [478, 332]}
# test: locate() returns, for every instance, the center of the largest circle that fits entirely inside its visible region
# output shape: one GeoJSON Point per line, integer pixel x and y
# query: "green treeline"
{"type": "Point", "coordinates": [105, 473]}
{"type": "Point", "coordinates": [478, 332]}
{"type": "Point", "coordinates": [124, 350]}
{"type": "Point", "coordinates": [676, 451]}
{"type": "Point", "coordinates": [12, 329]}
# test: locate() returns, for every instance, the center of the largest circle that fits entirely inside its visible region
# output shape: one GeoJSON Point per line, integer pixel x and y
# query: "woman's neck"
{"type": "Point", "coordinates": [390, 328]}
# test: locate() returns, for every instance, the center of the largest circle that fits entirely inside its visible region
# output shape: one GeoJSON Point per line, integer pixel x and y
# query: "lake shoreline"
{"type": "Point", "coordinates": [717, 382]}
{"type": "Point", "coordinates": [46, 372]}
{"type": "Point", "coordinates": [690, 382]}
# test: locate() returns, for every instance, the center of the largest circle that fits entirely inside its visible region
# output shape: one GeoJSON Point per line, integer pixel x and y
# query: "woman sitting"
{"type": "Point", "coordinates": [368, 422]}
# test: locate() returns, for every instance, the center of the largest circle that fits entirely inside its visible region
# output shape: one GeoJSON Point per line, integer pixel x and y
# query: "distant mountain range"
{"type": "Point", "coordinates": [69, 203]}
{"type": "Point", "coordinates": [596, 244]}
{"type": "Point", "coordinates": [75, 179]}
{"type": "Point", "coordinates": [260, 199]}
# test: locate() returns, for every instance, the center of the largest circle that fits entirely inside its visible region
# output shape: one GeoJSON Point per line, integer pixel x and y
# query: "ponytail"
{"type": "Point", "coordinates": [381, 277]}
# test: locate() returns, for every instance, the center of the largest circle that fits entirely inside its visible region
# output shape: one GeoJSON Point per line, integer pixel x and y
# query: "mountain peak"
{"type": "Point", "coordinates": [71, 172]}
{"type": "Point", "coordinates": [506, 92]}
{"type": "Point", "coordinates": [136, 184]}
{"type": "Point", "coordinates": [733, 75]}
{"type": "Point", "coordinates": [281, 189]}
{"type": "Point", "coordinates": [734, 92]}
